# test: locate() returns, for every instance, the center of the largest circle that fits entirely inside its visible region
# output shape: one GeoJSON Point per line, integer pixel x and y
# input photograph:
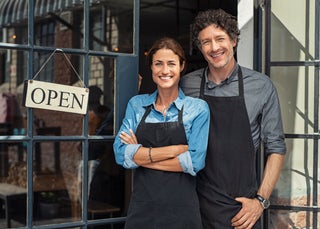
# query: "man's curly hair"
{"type": "Point", "coordinates": [219, 17]}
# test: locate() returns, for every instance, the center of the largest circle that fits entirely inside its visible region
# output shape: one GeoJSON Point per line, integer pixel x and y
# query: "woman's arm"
{"type": "Point", "coordinates": [171, 165]}
{"type": "Point", "coordinates": [145, 156]}
{"type": "Point", "coordinates": [124, 152]}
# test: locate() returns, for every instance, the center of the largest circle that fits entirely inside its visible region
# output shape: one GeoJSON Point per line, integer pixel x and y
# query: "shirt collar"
{"type": "Point", "coordinates": [228, 80]}
{"type": "Point", "coordinates": [151, 99]}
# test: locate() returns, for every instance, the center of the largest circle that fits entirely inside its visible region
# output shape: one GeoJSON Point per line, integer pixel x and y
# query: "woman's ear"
{"type": "Point", "coordinates": [183, 66]}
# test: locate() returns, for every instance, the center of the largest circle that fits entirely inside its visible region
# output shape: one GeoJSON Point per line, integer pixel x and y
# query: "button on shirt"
{"type": "Point", "coordinates": [261, 100]}
{"type": "Point", "coordinates": [196, 117]}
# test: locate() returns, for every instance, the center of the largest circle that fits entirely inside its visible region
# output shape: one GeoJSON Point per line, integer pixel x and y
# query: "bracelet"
{"type": "Point", "coordinates": [150, 155]}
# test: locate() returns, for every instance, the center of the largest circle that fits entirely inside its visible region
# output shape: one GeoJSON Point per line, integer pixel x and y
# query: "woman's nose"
{"type": "Point", "coordinates": [165, 69]}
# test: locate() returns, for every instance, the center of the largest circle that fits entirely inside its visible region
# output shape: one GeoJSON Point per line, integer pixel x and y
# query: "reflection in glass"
{"type": "Point", "coordinates": [61, 24]}
{"type": "Point", "coordinates": [12, 74]}
{"type": "Point", "coordinates": [292, 219]}
{"type": "Point", "coordinates": [111, 26]}
{"type": "Point", "coordinates": [295, 185]}
{"type": "Point", "coordinates": [13, 184]}
{"type": "Point", "coordinates": [295, 86]}
{"type": "Point", "coordinates": [67, 123]}
{"type": "Point", "coordinates": [293, 34]}
{"type": "Point", "coordinates": [105, 182]}
{"type": "Point", "coordinates": [101, 94]}
{"type": "Point", "coordinates": [55, 181]}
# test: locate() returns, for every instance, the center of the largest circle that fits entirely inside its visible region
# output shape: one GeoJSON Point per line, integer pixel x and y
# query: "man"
{"type": "Point", "coordinates": [245, 113]}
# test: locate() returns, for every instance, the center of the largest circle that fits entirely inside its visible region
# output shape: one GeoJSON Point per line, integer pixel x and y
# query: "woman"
{"type": "Point", "coordinates": [164, 136]}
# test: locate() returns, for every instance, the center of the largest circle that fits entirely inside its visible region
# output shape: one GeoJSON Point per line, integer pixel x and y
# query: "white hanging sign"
{"type": "Point", "coordinates": [58, 97]}
{"type": "Point", "coordinates": [52, 96]}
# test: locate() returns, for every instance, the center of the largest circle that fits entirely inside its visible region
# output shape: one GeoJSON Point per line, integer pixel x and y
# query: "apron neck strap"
{"type": "Point", "coordinates": [240, 82]}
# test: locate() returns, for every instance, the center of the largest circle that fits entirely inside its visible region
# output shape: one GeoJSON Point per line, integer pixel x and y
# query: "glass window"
{"type": "Point", "coordinates": [68, 156]}
{"type": "Point", "coordinates": [293, 41]}
{"type": "Point", "coordinates": [292, 33]}
{"type": "Point", "coordinates": [111, 26]}
{"type": "Point", "coordinates": [101, 95]}
{"type": "Point", "coordinates": [45, 33]}
{"type": "Point", "coordinates": [292, 219]}
{"type": "Point", "coordinates": [295, 85]}
{"type": "Point", "coordinates": [295, 183]}
{"type": "Point", "coordinates": [56, 185]}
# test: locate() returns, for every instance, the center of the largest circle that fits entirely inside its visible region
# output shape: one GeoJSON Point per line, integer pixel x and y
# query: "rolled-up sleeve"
{"type": "Point", "coordinates": [197, 130]}
{"type": "Point", "coordinates": [124, 153]}
{"type": "Point", "coordinates": [186, 163]}
{"type": "Point", "coordinates": [129, 151]}
{"type": "Point", "coordinates": [271, 125]}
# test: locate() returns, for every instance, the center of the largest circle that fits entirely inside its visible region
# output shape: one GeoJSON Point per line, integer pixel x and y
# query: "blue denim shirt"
{"type": "Point", "coordinates": [196, 117]}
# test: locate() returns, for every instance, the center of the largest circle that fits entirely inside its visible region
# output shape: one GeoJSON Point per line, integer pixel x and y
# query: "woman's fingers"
{"type": "Point", "coordinates": [128, 139]}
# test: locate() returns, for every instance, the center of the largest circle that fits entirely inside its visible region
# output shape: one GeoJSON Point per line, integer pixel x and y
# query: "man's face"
{"type": "Point", "coordinates": [216, 47]}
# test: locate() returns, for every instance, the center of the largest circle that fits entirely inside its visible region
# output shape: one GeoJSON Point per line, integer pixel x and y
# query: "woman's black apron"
{"type": "Point", "coordinates": [230, 169]}
{"type": "Point", "coordinates": [163, 199]}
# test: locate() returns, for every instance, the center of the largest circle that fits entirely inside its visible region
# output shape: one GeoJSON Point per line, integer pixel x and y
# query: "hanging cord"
{"type": "Point", "coordinates": [68, 61]}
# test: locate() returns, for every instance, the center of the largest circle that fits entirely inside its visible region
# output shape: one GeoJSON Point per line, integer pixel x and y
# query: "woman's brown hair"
{"type": "Point", "coordinates": [166, 43]}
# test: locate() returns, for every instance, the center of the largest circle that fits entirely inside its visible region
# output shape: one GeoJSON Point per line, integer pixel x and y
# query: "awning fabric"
{"type": "Point", "coordinates": [16, 11]}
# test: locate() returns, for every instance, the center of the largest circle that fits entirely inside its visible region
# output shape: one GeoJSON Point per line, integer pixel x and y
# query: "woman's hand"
{"type": "Point", "coordinates": [127, 138]}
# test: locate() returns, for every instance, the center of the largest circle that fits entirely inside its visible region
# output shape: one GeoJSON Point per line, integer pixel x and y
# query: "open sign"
{"type": "Point", "coordinates": [52, 96]}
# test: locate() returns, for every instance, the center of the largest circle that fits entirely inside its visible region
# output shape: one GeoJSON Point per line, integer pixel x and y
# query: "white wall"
{"type": "Point", "coordinates": [245, 20]}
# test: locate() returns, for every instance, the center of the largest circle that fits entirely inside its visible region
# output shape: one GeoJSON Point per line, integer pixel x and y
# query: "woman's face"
{"type": "Point", "coordinates": [166, 68]}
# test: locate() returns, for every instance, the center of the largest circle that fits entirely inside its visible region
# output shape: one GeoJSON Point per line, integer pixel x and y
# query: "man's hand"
{"type": "Point", "coordinates": [248, 215]}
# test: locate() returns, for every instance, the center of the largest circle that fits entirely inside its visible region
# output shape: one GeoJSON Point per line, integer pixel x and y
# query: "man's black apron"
{"type": "Point", "coordinates": [163, 199]}
{"type": "Point", "coordinates": [230, 169]}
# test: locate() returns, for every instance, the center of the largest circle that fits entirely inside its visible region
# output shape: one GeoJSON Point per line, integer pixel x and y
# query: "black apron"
{"type": "Point", "coordinates": [230, 169]}
{"type": "Point", "coordinates": [160, 199]}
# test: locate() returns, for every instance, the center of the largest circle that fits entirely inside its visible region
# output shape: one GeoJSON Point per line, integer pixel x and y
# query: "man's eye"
{"type": "Point", "coordinates": [205, 42]}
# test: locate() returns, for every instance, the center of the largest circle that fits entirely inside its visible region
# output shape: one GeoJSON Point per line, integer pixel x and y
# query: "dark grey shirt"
{"type": "Point", "coordinates": [261, 99]}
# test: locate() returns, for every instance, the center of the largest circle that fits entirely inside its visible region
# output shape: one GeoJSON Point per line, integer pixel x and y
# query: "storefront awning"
{"type": "Point", "coordinates": [16, 11]}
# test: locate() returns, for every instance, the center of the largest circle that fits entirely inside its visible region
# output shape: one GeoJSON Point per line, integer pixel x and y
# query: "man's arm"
{"type": "Point", "coordinates": [271, 174]}
{"type": "Point", "coordinates": [251, 208]}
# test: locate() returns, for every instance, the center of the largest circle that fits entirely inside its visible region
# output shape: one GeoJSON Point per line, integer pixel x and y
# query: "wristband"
{"type": "Point", "coordinates": [150, 157]}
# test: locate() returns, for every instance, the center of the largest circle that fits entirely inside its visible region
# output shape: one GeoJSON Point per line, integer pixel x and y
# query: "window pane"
{"type": "Point", "coordinates": [106, 182]}
{"type": "Point", "coordinates": [58, 23]}
{"type": "Point", "coordinates": [13, 184]}
{"type": "Point", "coordinates": [295, 86]}
{"type": "Point", "coordinates": [111, 26]}
{"type": "Point", "coordinates": [292, 32]}
{"type": "Point", "coordinates": [56, 182]}
{"type": "Point", "coordinates": [13, 116]}
{"type": "Point", "coordinates": [101, 95]}
{"type": "Point", "coordinates": [13, 13]}
{"type": "Point", "coordinates": [295, 186]}
{"type": "Point", "coordinates": [292, 219]}
{"type": "Point", "coordinates": [55, 68]}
